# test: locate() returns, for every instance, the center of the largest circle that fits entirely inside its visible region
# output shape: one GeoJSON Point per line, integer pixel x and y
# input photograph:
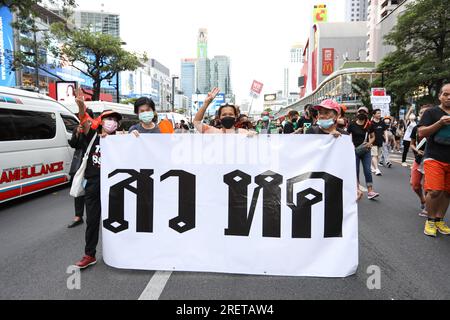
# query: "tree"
{"type": "Point", "coordinates": [25, 26]}
{"type": "Point", "coordinates": [422, 55]}
{"type": "Point", "coordinates": [268, 110]}
{"type": "Point", "coordinates": [362, 88]}
{"type": "Point", "coordinates": [96, 55]}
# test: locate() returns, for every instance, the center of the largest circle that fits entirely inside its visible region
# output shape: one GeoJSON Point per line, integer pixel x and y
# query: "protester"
{"type": "Point", "coordinates": [363, 138]}
{"type": "Point", "coordinates": [435, 127]}
{"type": "Point", "coordinates": [342, 121]}
{"type": "Point", "coordinates": [387, 145]}
{"type": "Point", "coordinates": [418, 146]}
{"type": "Point", "coordinates": [291, 124]}
{"type": "Point", "coordinates": [227, 115]}
{"type": "Point", "coordinates": [307, 120]}
{"type": "Point", "coordinates": [145, 109]}
{"type": "Point", "coordinates": [266, 126]}
{"type": "Point", "coordinates": [398, 133]}
{"type": "Point", "coordinates": [410, 125]}
{"type": "Point", "coordinates": [379, 129]}
{"type": "Point", "coordinates": [108, 126]}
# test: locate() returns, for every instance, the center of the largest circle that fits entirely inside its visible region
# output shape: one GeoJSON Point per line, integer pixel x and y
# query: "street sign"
{"type": "Point", "coordinates": [380, 99]}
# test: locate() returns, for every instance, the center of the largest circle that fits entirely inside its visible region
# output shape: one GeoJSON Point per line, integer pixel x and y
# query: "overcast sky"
{"type": "Point", "coordinates": [255, 34]}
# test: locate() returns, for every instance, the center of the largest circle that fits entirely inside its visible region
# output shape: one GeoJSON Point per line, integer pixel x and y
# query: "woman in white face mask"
{"type": "Point", "coordinates": [145, 109]}
{"type": "Point", "coordinates": [411, 124]}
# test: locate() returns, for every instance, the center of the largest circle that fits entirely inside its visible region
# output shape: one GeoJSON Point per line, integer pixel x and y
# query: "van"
{"type": "Point", "coordinates": [129, 118]}
{"type": "Point", "coordinates": [34, 143]}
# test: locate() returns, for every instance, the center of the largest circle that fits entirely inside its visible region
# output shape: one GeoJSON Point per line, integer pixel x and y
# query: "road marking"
{"type": "Point", "coordinates": [155, 286]}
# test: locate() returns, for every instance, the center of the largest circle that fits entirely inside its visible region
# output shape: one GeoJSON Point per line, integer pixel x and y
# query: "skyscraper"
{"type": "Point", "coordinates": [202, 43]}
{"type": "Point", "coordinates": [220, 74]}
{"type": "Point", "coordinates": [203, 75]}
{"type": "Point", "coordinates": [188, 77]}
{"type": "Point", "coordinates": [356, 10]}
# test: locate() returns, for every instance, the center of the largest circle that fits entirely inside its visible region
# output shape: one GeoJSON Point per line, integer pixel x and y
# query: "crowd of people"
{"type": "Point", "coordinates": [374, 138]}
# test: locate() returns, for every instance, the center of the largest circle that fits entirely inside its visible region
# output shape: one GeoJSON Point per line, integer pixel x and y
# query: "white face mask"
{"type": "Point", "coordinates": [412, 117]}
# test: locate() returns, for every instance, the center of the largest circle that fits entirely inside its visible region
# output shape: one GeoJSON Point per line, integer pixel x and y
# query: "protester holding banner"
{"type": "Point", "coordinates": [329, 111]}
{"type": "Point", "coordinates": [227, 113]}
{"type": "Point", "coordinates": [363, 138]}
{"type": "Point", "coordinates": [307, 120]}
{"type": "Point", "coordinates": [291, 123]}
{"type": "Point", "coordinates": [108, 126]}
{"type": "Point", "coordinates": [418, 145]}
{"type": "Point", "coordinates": [145, 109]}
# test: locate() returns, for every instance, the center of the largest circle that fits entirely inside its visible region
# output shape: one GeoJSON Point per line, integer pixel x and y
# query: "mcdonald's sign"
{"type": "Point", "coordinates": [327, 61]}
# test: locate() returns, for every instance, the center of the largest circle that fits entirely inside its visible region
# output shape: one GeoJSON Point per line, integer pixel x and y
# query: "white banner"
{"type": "Point", "coordinates": [275, 205]}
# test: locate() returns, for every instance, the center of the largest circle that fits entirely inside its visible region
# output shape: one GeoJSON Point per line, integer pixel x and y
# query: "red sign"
{"type": "Point", "coordinates": [378, 92]}
{"type": "Point", "coordinates": [257, 87]}
{"type": "Point", "coordinates": [327, 61]}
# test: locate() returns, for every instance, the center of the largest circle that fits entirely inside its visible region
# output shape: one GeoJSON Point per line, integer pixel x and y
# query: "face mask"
{"type": "Point", "coordinates": [412, 117]}
{"type": "Point", "coordinates": [387, 122]}
{"type": "Point", "coordinates": [325, 124]}
{"type": "Point", "coordinates": [266, 119]}
{"type": "Point", "coordinates": [110, 126]}
{"type": "Point", "coordinates": [294, 119]}
{"type": "Point", "coordinates": [146, 117]}
{"type": "Point", "coordinates": [228, 122]}
{"type": "Point", "coordinates": [361, 116]}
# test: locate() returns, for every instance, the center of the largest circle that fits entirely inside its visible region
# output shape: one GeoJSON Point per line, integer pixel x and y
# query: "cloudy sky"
{"type": "Point", "coordinates": [255, 34]}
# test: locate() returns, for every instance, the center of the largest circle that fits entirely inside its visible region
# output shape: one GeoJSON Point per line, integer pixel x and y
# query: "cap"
{"type": "Point", "coordinates": [364, 109]}
{"type": "Point", "coordinates": [111, 113]}
{"type": "Point", "coordinates": [329, 104]}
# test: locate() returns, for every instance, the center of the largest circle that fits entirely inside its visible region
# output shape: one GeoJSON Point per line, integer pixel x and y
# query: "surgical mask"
{"type": "Point", "coordinates": [146, 117]}
{"type": "Point", "coordinates": [361, 116]}
{"type": "Point", "coordinates": [110, 126]}
{"type": "Point", "coordinates": [387, 122]}
{"type": "Point", "coordinates": [266, 119]}
{"type": "Point", "coordinates": [228, 122]}
{"type": "Point", "coordinates": [412, 117]}
{"type": "Point", "coordinates": [325, 124]}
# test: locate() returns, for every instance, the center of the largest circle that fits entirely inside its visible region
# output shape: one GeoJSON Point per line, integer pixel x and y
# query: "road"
{"type": "Point", "coordinates": [36, 248]}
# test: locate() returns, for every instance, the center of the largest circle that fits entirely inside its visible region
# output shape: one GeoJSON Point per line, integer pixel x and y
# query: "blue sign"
{"type": "Point", "coordinates": [215, 105]}
{"type": "Point", "coordinates": [7, 77]}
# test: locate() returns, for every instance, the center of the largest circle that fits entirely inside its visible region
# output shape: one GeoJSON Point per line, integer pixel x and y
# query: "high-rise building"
{"type": "Point", "coordinates": [293, 71]}
{"type": "Point", "coordinates": [220, 74]}
{"type": "Point", "coordinates": [203, 84]}
{"type": "Point", "coordinates": [202, 43]}
{"type": "Point", "coordinates": [107, 23]}
{"type": "Point", "coordinates": [188, 77]}
{"type": "Point", "coordinates": [356, 10]}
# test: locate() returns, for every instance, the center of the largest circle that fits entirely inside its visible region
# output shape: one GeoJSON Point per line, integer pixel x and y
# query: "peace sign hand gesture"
{"type": "Point", "coordinates": [79, 99]}
{"type": "Point", "coordinates": [212, 95]}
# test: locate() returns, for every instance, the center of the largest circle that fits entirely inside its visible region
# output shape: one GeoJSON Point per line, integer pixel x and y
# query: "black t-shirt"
{"type": "Point", "coordinates": [415, 136]}
{"type": "Point", "coordinates": [94, 160]}
{"type": "Point", "coordinates": [318, 130]}
{"type": "Point", "coordinates": [435, 150]}
{"type": "Point", "coordinates": [359, 133]}
{"type": "Point", "coordinates": [304, 123]}
{"type": "Point", "coordinates": [288, 128]}
{"type": "Point", "coordinates": [379, 128]}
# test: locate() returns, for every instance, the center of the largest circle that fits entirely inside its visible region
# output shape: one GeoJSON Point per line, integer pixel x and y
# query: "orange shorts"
{"type": "Point", "coordinates": [437, 175]}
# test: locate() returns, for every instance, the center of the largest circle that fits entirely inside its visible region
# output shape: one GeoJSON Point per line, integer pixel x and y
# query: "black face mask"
{"type": "Point", "coordinates": [361, 116]}
{"type": "Point", "coordinates": [228, 122]}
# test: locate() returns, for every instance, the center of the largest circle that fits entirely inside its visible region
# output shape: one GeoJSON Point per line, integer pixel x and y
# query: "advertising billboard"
{"type": "Point", "coordinates": [66, 91]}
{"type": "Point", "coordinates": [320, 13]}
{"type": "Point", "coordinates": [7, 77]}
{"type": "Point", "coordinates": [327, 61]}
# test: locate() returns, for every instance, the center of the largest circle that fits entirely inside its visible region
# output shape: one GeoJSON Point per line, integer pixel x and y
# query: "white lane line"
{"type": "Point", "coordinates": [155, 286]}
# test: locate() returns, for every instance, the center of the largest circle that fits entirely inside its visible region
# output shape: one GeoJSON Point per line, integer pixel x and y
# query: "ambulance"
{"type": "Point", "coordinates": [34, 143]}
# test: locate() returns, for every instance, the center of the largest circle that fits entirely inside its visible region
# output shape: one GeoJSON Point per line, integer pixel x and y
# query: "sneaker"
{"type": "Point", "coordinates": [373, 170]}
{"type": "Point", "coordinates": [430, 229]}
{"type": "Point", "coordinates": [404, 164]}
{"type": "Point", "coordinates": [423, 213]}
{"type": "Point", "coordinates": [86, 262]}
{"type": "Point", "coordinates": [381, 164]}
{"type": "Point", "coordinates": [378, 172]}
{"type": "Point", "coordinates": [372, 195]}
{"type": "Point", "coordinates": [388, 164]}
{"type": "Point", "coordinates": [442, 227]}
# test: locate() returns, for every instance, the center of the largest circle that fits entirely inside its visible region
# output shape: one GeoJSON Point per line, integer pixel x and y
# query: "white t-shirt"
{"type": "Point", "coordinates": [411, 126]}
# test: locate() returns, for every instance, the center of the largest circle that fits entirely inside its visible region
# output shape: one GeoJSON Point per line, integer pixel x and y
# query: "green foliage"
{"type": "Point", "coordinates": [422, 55]}
{"type": "Point", "coordinates": [362, 88]}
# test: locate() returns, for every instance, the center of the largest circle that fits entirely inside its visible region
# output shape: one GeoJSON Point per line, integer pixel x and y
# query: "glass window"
{"type": "Point", "coordinates": [26, 125]}
{"type": "Point", "coordinates": [70, 122]}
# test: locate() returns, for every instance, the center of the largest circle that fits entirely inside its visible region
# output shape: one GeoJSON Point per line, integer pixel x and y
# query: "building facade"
{"type": "Point", "coordinates": [188, 77]}
{"type": "Point", "coordinates": [103, 22]}
{"type": "Point", "coordinates": [202, 43]}
{"type": "Point", "coordinates": [356, 10]}
{"type": "Point", "coordinates": [203, 75]}
{"type": "Point", "coordinates": [220, 74]}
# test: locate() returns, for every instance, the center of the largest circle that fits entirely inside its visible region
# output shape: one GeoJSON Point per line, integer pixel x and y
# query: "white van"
{"type": "Point", "coordinates": [34, 149]}
{"type": "Point", "coordinates": [127, 111]}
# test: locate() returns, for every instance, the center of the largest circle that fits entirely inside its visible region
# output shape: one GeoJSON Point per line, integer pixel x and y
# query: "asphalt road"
{"type": "Point", "coordinates": [36, 248]}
